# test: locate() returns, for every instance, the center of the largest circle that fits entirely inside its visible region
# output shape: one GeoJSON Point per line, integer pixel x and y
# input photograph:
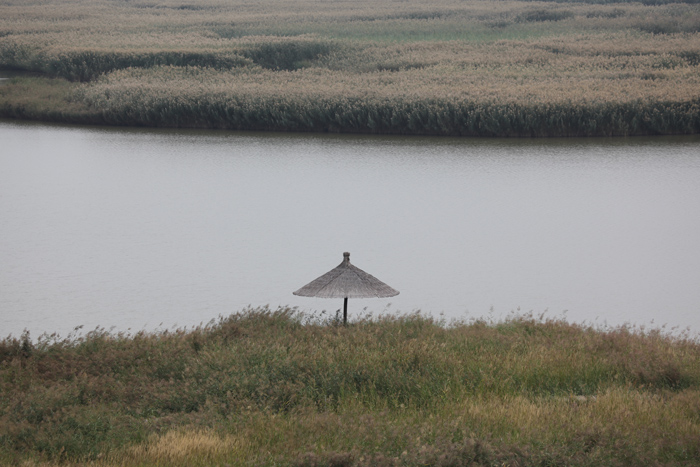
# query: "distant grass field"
{"type": "Point", "coordinates": [264, 387]}
{"type": "Point", "coordinates": [449, 67]}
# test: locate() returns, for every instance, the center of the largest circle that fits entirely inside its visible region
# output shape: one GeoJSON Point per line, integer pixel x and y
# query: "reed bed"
{"type": "Point", "coordinates": [467, 94]}
{"type": "Point", "coordinates": [474, 67]}
{"type": "Point", "coordinates": [277, 387]}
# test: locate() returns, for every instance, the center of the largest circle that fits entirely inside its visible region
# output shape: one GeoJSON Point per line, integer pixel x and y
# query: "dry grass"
{"type": "Point", "coordinates": [184, 447]}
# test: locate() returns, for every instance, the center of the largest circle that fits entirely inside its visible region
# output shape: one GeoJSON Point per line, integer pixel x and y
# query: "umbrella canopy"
{"type": "Point", "coordinates": [346, 281]}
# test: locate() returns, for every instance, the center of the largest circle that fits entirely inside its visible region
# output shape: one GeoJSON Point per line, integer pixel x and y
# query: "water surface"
{"type": "Point", "coordinates": [147, 229]}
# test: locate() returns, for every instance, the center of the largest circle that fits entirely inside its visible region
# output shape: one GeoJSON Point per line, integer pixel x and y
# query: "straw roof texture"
{"type": "Point", "coordinates": [346, 281]}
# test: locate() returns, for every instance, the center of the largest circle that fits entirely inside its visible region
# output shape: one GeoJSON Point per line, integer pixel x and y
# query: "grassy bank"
{"type": "Point", "coordinates": [471, 68]}
{"type": "Point", "coordinates": [265, 387]}
{"type": "Point", "coordinates": [46, 99]}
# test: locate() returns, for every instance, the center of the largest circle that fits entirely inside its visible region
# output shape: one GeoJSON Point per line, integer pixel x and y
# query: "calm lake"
{"type": "Point", "coordinates": [152, 229]}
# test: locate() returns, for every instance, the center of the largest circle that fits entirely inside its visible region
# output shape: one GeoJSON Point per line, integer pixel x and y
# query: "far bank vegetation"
{"type": "Point", "coordinates": [445, 67]}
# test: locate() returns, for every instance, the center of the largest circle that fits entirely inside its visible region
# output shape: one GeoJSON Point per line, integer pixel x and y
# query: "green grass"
{"type": "Point", "coordinates": [266, 387]}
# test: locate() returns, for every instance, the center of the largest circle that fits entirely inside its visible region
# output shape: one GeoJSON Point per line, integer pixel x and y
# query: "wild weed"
{"type": "Point", "coordinates": [400, 390]}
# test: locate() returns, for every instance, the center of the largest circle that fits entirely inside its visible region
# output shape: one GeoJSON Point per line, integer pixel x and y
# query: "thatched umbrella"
{"type": "Point", "coordinates": [346, 281]}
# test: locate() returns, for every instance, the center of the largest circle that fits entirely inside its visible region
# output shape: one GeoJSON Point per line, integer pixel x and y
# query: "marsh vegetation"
{"type": "Point", "coordinates": [510, 68]}
{"type": "Point", "coordinates": [277, 387]}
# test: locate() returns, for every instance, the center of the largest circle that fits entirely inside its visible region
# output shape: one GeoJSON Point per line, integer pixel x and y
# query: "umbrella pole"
{"type": "Point", "coordinates": [345, 311]}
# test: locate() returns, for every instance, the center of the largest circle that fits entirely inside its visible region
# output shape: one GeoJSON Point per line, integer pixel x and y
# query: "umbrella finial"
{"type": "Point", "coordinates": [346, 257]}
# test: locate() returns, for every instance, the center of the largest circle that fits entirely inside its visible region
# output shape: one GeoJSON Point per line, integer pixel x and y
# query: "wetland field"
{"type": "Point", "coordinates": [461, 68]}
